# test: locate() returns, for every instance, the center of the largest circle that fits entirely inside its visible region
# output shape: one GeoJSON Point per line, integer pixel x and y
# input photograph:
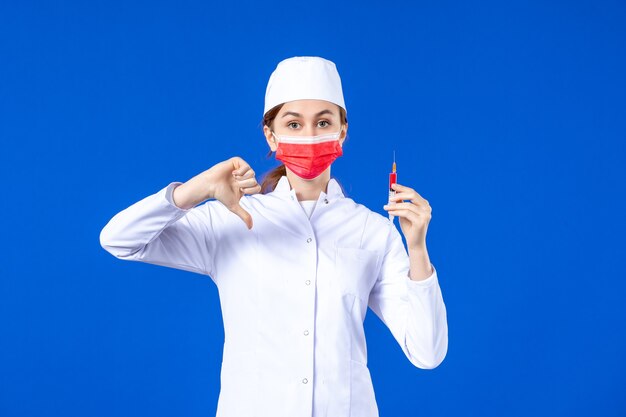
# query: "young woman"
{"type": "Point", "coordinates": [296, 263]}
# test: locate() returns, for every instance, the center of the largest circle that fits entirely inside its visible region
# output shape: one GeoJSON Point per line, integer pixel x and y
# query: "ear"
{"type": "Point", "coordinates": [271, 141]}
{"type": "Point", "coordinates": [343, 135]}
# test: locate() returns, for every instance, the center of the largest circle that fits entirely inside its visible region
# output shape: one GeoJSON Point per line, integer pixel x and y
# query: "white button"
{"type": "Point", "coordinates": [307, 282]}
{"type": "Point", "coordinates": [306, 332]}
{"type": "Point", "coordinates": [304, 381]}
{"type": "Point", "coordinates": [326, 200]}
{"type": "Point", "coordinates": [309, 240]}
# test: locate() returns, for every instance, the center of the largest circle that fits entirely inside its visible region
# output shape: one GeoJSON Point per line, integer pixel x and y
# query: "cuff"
{"type": "Point", "coordinates": [431, 280]}
{"type": "Point", "coordinates": [169, 190]}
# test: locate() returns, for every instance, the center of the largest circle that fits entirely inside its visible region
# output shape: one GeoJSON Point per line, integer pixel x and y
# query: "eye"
{"type": "Point", "coordinates": [292, 123]}
{"type": "Point", "coordinates": [324, 121]}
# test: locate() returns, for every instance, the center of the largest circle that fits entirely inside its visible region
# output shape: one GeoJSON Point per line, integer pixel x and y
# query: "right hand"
{"type": "Point", "coordinates": [226, 181]}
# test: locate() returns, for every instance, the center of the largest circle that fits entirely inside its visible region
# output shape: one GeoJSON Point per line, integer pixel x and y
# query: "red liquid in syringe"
{"type": "Point", "coordinates": [393, 176]}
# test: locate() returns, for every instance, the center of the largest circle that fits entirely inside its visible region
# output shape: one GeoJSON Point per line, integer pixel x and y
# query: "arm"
{"type": "Point", "coordinates": [420, 268]}
{"type": "Point", "coordinates": [413, 310]}
{"type": "Point", "coordinates": [155, 230]}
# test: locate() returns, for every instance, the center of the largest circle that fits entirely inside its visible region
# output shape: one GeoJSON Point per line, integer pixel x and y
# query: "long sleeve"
{"type": "Point", "coordinates": [154, 230]}
{"type": "Point", "coordinates": [413, 311]}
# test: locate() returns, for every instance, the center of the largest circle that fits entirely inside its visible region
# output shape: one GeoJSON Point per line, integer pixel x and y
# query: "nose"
{"type": "Point", "coordinates": [310, 130]}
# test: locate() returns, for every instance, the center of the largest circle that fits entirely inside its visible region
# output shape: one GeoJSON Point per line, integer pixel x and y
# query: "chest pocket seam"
{"type": "Point", "coordinates": [356, 271]}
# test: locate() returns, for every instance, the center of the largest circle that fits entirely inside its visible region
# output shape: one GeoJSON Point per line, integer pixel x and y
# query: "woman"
{"type": "Point", "coordinates": [297, 265]}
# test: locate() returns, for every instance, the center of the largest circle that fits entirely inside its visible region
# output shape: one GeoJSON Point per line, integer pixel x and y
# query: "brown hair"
{"type": "Point", "coordinates": [270, 179]}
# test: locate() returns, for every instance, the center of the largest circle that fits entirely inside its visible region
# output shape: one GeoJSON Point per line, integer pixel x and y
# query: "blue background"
{"type": "Point", "coordinates": [508, 117]}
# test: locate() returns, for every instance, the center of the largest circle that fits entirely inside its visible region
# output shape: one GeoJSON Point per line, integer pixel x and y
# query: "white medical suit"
{"type": "Point", "coordinates": [294, 292]}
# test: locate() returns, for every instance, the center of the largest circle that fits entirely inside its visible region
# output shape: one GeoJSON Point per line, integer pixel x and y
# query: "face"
{"type": "Point", "coordinates": [306, 118]}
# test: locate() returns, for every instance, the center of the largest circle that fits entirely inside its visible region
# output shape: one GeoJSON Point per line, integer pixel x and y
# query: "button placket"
{"type": "Point", "coordinates": [308, 308]}
{"type": "Point", "coordinates": [308, 322]}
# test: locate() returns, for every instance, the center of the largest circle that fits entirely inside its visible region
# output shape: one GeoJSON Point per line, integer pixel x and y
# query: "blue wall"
{"type": "Point", "coordinates": [508, 117]}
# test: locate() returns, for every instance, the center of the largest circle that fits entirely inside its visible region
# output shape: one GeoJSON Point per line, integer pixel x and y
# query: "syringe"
{"type": "Point", "coordinates": [393, 176]}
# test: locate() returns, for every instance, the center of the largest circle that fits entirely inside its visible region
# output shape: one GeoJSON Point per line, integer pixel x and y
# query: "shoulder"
{"type": "Point", "coordinates": [217, 208]}
{"type": "Point", "coordinates": [376, 227]}
{"type": "Point", "coordinates": [259, 201]}
{"type": "Point", "coordinates": [374, 219]}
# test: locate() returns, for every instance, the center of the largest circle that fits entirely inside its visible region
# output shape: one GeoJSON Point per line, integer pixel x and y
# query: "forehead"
{"type": "Point", "coordinates": [309, 107]}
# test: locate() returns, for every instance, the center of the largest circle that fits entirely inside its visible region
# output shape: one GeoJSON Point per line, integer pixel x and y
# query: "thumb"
{"type": "Point", "coordinates": [244, 215]}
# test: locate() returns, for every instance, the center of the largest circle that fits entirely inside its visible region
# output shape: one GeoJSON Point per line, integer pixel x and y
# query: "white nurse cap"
{"type": "Point", "coordinates": [304, 77]}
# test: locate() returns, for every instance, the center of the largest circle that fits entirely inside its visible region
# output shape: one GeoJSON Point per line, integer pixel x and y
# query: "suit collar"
{"type": "Point", "coordinates": [283, 188]}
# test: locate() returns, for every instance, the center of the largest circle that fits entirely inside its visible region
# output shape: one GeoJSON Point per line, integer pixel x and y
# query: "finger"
{"type": "Point", "coordinates": [252, 190]}
{"type": "Point", "coordinates": [248, 174]}
{"type": "Point", "coordinates": [422, 210]}
{"type": "Point", "coordinates": [402, 196]}
{"type": "Point", "coordinates": [403, 206]}
{"type": "Point", "coordinates": [240, 166]}
{"type": "Point", "coordinates": [416, 202]}
{"type": "Point", "coordinates": [251, 182]}
{"type": "Point", "coordinates": [243, 214]}
{"type": "Point", "coordinates": [408, 214]}
{"type": "Point", "coordinates": [405, 189]}
{"type": "Point", "coordinates": [404, 210]}
{"type": "Point", "coordinates": [397, 186]}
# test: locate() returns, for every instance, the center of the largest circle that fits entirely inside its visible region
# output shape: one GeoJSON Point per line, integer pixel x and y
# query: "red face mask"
{"type": "Point", "coordinates": [308, 156]}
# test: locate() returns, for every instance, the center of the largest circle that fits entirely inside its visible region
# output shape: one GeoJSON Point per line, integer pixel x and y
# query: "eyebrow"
{"type": "Point", "coordinates": [299, 115]}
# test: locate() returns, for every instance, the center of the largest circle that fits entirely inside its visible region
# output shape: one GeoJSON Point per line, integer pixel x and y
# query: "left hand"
{"type": "Point", "coordinates": [414, 216]}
